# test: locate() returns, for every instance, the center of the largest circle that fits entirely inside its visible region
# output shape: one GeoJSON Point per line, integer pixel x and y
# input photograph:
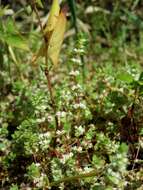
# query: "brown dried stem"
{"type": "Point", "coordinates": [33, 4]}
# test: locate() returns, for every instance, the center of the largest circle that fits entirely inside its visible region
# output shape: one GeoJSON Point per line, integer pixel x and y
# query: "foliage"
{"type": "Point", "coordinates": [79, 125]}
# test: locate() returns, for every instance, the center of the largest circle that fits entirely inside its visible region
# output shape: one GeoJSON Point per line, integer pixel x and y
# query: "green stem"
{"type": "Point", "coordinates": [93, 173]}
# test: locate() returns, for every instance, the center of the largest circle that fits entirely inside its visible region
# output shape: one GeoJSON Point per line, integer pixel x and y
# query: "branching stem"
{"type": "Point", "coordinates": [93, 173]}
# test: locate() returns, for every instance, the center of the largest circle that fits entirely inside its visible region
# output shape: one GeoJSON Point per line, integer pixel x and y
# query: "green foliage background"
{"type": "Point", "coordinates": [97, 90]}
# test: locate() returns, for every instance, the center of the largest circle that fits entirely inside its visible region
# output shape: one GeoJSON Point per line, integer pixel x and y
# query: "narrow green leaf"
{"type": "Point", "coordinates": [72, 6]}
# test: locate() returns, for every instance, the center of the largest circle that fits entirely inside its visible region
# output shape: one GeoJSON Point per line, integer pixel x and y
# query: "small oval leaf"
{"type": "Point", "coordinates": [125, 77]}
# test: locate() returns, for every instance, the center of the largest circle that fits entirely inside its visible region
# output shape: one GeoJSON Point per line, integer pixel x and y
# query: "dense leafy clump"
{"type": "Point", "coordinates": [77, 125]}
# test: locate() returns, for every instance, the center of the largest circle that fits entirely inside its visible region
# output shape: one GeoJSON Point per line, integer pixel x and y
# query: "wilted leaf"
{"type": "Point", "coordinates": [54, 33]}
{"type": "Point", "coordinates": [53, 16]}
{"type": "Point", "coordinates": [57, 38]}
{"type": "Point", "coordinates": [52, 20]}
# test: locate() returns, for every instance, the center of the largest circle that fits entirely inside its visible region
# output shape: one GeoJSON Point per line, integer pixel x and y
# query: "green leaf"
{"type": "Point", "coordinates": [72, 6]}
{"type": "Point", "coordinates": [39, 2]}
{"type": "Point", "coordinates": [16, 40]}
{"type": "Point", "coordinates": [33, 171]}
{"type": "Point", "coordinates": [14, 187]}
{"type": "Point", "coordinates": [125, 77]}
{"type": "Point", "coordinates": [10, 35]}
{"type": "Point", "coordinates": [10, 27]}
{"type": "Point", "coordinates": [67, 126]}
{"type": "Point", "coordinates": [97, 161]}
{"type": "Point", "coordinates": [123, 148]}
{"type": "Point", "coordinates": [2, 146]}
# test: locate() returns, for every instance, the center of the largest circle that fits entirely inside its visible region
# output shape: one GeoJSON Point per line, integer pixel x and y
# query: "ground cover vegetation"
{"type": "Point", "coordinates": [73, 120]}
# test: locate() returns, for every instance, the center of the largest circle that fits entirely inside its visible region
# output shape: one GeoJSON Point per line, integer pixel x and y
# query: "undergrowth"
{"type": "Point", "coordinates": [92, 139]}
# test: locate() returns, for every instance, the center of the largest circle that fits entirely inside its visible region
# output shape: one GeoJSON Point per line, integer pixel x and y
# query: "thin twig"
{"type": "Point", "coordinates": [39, 20]}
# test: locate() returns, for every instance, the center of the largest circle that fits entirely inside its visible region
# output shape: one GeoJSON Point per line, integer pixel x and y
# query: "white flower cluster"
{"type": "Point", "coordinates": [86, 144]}
{"type": "Point", "coordinates": [76, 87]}
{"type": "Point", "coordinates": [61, 114]}
{"type": "Point", "coordinates": [66, 157]}
{"type": "Point", "coordinates": [50, 118]}
{"type": "Point", "coordinates": [76, 60]}
{"type": "Point", "coordinates": [40, 120]}
{"type": "Point", "coordinates": [87, 169]}
{"type": "Point", "coordinates": [74, 73]}
{"type": "Point", "coordinates": [41, 181]}
{"type": "Point", "coordinates": [60, 132]}
{"type": "Point", "coordinates": [79, 105]}
{"type": "Point", "coordinates": [66, 95]}
{"type": "Point", "coordinates": [77, 149]}
{"type": "Point", "coordinates": [46, 117]}
{"type": "Point", "coordinates": [44, 140]}
{"type": "Point", "coordinates": [79, 51]}
{"type": "Point", "coordinates": [79, 130]}
{"type": "Point", "coordinates": [120, 161]}
{"type": "Point", "coordinates": [56, 171]}
{"type": "Point", "coordinates": [40, 108]}
{"type": "Point", "coordinates": [116, 176]}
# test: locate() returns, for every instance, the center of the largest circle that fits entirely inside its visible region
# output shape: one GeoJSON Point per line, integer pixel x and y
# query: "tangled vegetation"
{"type": "Point", "coordinates": [79, 124]}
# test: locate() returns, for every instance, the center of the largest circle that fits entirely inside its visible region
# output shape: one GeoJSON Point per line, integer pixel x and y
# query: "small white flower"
{"type": "Point", "coordinates": [45, 135]}
{"type": "Point", "coordinates": [40, 180]}
{"type": "Point", "coordinates": [50, 118]}
{"type": "Point", "coordinates": [83, 106]}
{"type": "Point", "coordinates": [66, 157]}
{"type": "Point", "coordinates": [119, 156]}
{"type": "Point", "coordinates": [58, 132]}
{"type": "Point", "coordinates": [75, 49]}
{"type": "Point", "coordinates": [86, 144]}
{"type": "Point", "coordinates": [74, 73]}
{"type": "Point", "coordinates": [75, 60]}
{"type": "Point", "coordinates": [79, 130]}
{"type": "Point", "coordinates": [67, 96]}
{"type": "Point", "coordinates": [109, 171]}
{"type": "Point", "coordinates": [79, 149]}
{"type": "Point", "coordinates": [61, 114]}
{"type": "Point", "coordinates": [80, 105]}
{"type": "Point", "coordinates": [37, 164]}
{"type": "Point", "coordinates": [76, 87]}
{"type": "Point", "coordinates": [74, 148]}
{"type": "Point", "coordinates": [43, 107]}
{"type": "Point", "coordinates": [87, 169]}
{"type": "Point", "coordinates": [44, 140]}
{"type": "Point", "coordinates": [40, 120]}
{"type": "Point", "coordinates": [79, 50]}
